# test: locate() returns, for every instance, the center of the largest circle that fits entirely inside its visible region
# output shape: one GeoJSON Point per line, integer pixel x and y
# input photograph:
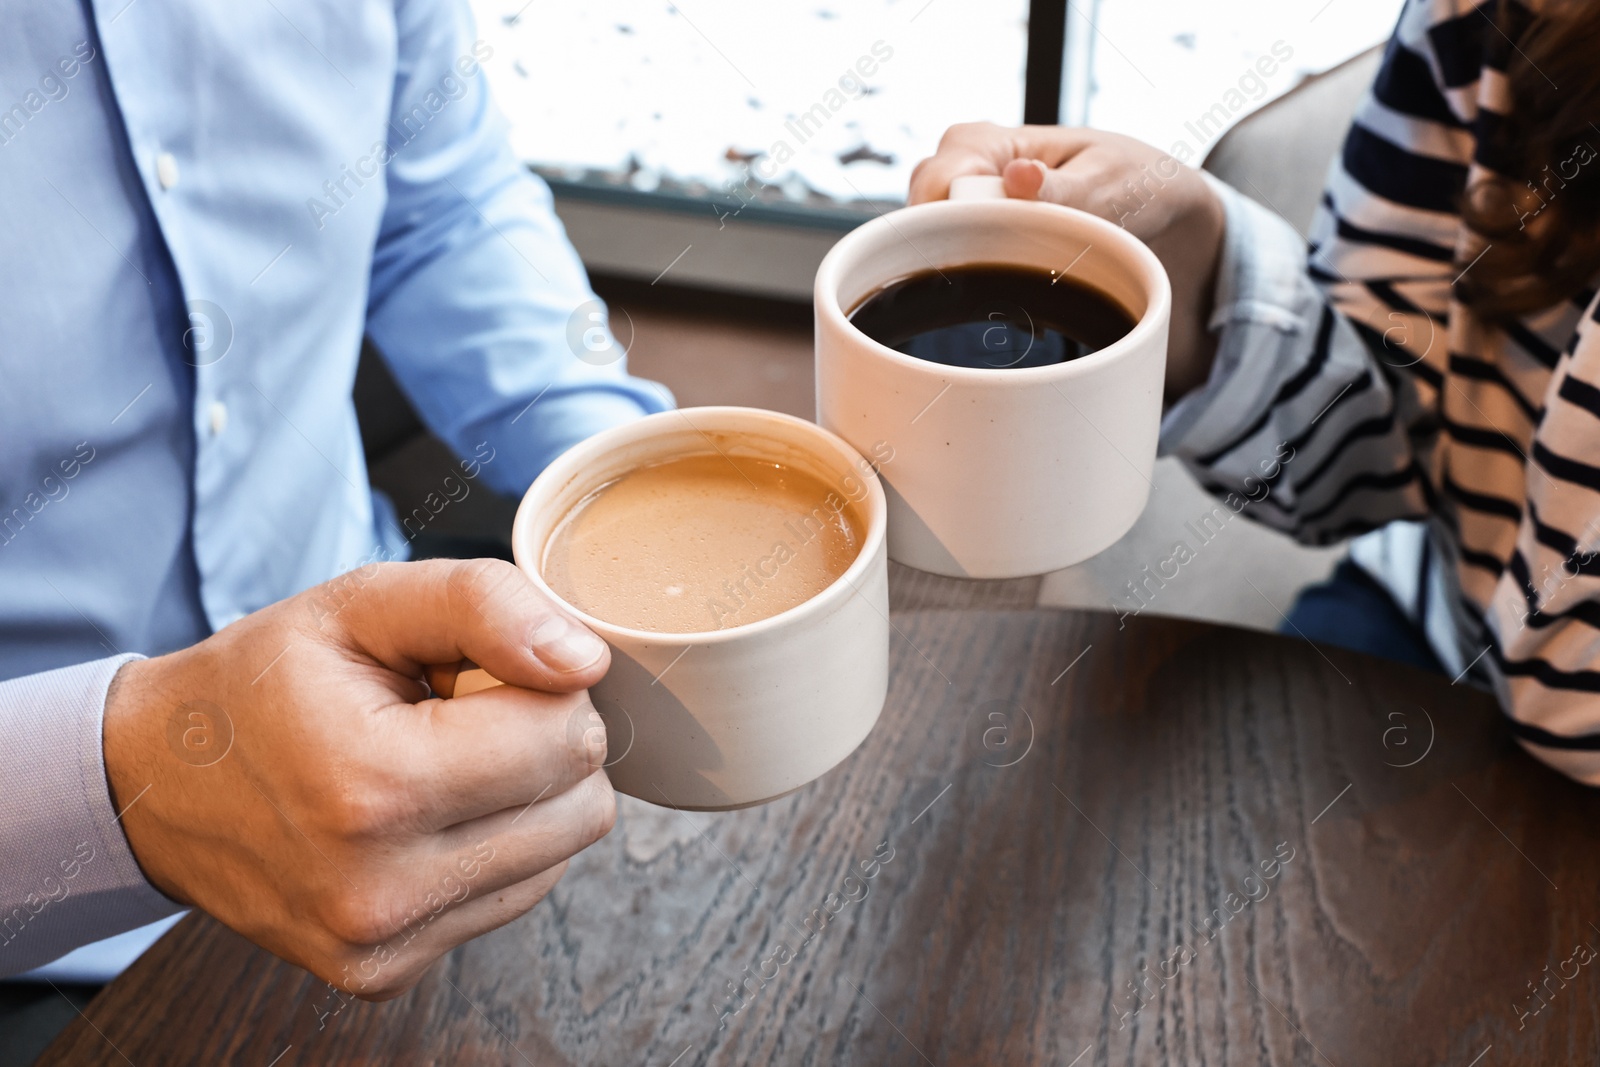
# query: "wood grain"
{"type": "Point", "coordinates": [914, 590]}
{"type": "Point", "coordinates": [1055, 837]}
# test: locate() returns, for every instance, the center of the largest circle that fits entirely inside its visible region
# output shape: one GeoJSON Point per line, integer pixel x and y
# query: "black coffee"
{"type": "Point", "coordinates": [992, 316]}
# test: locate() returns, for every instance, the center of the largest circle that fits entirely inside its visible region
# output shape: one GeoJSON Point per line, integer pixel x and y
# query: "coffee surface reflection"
{"type": "Point", "coordinates": [992, 316]}
{"type": "Point", "coordinates": [701, 543]}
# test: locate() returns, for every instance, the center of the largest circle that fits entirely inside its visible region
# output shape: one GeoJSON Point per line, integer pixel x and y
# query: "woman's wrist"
{"type": "Point", "coordinates": [1193, 262]}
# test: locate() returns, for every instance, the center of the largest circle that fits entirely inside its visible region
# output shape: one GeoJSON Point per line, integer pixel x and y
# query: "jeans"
{"type": "Point", "coordinates": [1351, 610]}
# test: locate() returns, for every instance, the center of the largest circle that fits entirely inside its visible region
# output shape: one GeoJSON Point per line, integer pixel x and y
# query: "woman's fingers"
{"type": "Point", "coordinates": [984, 148]}
{"type": "Point", "coordinates": [1024, 178]}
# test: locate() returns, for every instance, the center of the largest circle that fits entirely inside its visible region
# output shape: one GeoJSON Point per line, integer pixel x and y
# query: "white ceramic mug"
{"type": "Point", "coordinates": [997, 473]}
{"type": "Point", "coordinates": [734, 717]}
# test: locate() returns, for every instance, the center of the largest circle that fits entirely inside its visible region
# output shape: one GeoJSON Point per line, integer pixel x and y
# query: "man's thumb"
{"type": "Point", "coordinates": [409, 616]}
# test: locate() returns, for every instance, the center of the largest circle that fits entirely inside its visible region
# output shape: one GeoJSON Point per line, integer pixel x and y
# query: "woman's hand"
{"type": "Point", "coordinates": [1165, 204]}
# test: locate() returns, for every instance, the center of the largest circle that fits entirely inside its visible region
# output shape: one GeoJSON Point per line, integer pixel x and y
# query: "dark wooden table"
{"type": "Point", "coordinates": [1068, 828]}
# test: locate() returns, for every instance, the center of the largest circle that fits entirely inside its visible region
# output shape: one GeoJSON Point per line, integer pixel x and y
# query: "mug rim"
{"type": "Point", "coordinates": [825, 292]}
{"type": "Point", "coordinates": [570, 465]}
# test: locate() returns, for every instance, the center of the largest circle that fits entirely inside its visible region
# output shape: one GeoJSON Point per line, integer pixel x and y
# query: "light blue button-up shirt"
{"type": "Point", "coordinates": [203, 208]}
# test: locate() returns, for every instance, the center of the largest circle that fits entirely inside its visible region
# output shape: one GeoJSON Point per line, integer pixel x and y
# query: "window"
{"type": "Point", "coordinates": [656, 122]}
{"type": "Point", "coordinates": [1169, 71]}
{"type": "Point", "coordinates": [823, 102]}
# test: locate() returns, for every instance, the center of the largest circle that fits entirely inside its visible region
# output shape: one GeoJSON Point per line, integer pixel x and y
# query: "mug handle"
{"type": "Point", "coordinates": [449, 680]}
{"type": "Point", "coordinates": [978, 187]}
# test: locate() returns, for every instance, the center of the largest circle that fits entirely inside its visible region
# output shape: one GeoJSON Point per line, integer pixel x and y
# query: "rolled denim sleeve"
{"type": "Point", "coordinates": [67, 874]}
{"type": "Point", "coordinates": [1299, 415]}
{"type": "Point", "coordinates": [1265, 313]}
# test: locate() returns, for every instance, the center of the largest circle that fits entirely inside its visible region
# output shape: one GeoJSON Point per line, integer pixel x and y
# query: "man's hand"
{"type": "Point", "coordinates": [291, 775]}
{"type": "Point", "coordinates": [1166, 205]}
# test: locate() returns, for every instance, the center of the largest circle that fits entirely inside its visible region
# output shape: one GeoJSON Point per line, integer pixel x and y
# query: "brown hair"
{"type": "Point", "coordinates": [1542, 222]}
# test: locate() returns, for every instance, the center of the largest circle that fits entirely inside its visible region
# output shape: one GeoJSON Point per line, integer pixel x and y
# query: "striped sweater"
{"type": "Point", "coordinates": [1464, 455]}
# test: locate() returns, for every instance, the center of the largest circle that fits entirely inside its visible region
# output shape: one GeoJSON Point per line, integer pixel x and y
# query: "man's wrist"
{"type": "Point", "coordinates": [118, 731]}
{"type": "Point", "coordinates": [127, 745]}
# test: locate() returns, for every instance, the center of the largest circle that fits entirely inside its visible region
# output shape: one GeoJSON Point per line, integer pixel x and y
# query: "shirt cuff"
{"type": "Point", "coordinates": [67, 873]}
{"type": "Point", "coordinates": [1262, 302]}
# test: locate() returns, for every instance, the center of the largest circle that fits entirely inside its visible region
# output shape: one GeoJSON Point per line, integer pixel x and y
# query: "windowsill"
{"type": "Point", "coordinates": [755, 247]}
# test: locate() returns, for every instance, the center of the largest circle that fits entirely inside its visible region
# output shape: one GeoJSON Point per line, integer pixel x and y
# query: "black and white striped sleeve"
{"type": "Point", "coordinates": [1319, 407]}
{"type": "Point", "coordinates": [1299, 417]}
{"type": "Point", "coordinates": [1545, 613]}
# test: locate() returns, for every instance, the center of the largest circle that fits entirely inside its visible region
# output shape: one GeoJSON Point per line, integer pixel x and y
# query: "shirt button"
{"type": "Point", "coordinates": [167, 170]}
{"type": "Point", "coordinates": [219, 417]}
